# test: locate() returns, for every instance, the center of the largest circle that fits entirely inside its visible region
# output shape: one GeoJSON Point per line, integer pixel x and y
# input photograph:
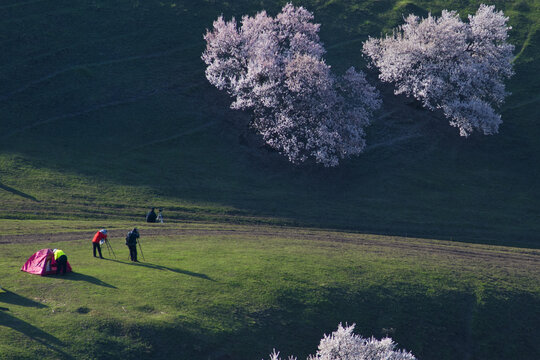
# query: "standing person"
{"type": "Point", "coordinates": [151, 216]}
{"type": "Point", "coordinates": [61, 261]}
{"type": "Point", "coordinates": [131, 242]}
{"type": "Point", "coordinates": [160, 216]}
{"type": "Point", "coordinates": [100, 235]}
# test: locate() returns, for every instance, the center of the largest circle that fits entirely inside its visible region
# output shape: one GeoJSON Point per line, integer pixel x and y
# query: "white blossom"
{"type": "Point", "coordinates": [274, 68]}
{"type": "Point", "coordinates": [275, 356]}
{"type": "Point", "coordinates": [450, 65]}
{"type": "Point", "coordinates": [343, 344]}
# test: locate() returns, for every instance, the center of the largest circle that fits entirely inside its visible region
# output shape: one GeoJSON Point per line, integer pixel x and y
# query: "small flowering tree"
{"type": "Point", "coordinates": [450, 65]}
{"type": "Point", "coordinates": [274, 68]}
{"type": "Point", "coordinates": [342, 344]}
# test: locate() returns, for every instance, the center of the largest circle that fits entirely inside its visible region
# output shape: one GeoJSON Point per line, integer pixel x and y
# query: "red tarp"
{"type": "Point", "coordinates": [42, 263]}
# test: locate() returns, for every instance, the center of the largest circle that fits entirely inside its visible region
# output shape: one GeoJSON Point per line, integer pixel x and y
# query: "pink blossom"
{"type": "Point", "coordinates": [274, 68]}
{"type": "Point", "coordinates": [450, 65]}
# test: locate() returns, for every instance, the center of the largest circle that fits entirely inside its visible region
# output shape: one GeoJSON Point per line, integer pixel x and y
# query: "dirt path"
{"type": "Point", "coordinates": [79, 235]}
{"type": "Point", "coordinates": [525, 258]}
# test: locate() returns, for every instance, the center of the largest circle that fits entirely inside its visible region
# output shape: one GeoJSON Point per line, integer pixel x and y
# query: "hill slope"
{"type": "Point", "coordinates": [104, 111]}
{"type": "Point", "coordinates": [215, 292]}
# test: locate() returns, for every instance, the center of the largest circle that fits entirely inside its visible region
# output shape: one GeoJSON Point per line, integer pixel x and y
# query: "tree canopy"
{"type": "Point", "coordinates": [274, 68]}
{"type": "Point", "coordinates": [450, 65]}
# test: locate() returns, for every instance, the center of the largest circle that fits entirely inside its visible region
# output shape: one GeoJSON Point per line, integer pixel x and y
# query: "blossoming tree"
{"type": "Point", "coordinates": [274, 68]}
{"type": "Point", "coordinates": [342, 344]}
{"type": "Point", "coordinates": [450, 65]}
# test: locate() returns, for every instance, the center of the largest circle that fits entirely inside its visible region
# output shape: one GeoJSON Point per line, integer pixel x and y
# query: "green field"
{"type": "Point", "coordinates": [209, 291]}
{"type": "Point", "coordinates": [105, 111]}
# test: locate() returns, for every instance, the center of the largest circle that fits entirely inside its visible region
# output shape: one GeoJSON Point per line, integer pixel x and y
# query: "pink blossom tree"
{"type": "Point", "coordinates": [450, 65]}
{"type": "Point", "coordinates": [343, 344]}
{"type": "Point", "coordinates": [274, 68]}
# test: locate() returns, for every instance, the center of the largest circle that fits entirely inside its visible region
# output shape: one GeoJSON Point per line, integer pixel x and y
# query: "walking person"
{"type": "Point", "coordinates": [99, 237]}
{"type": "Point", "coordinates": [131, 242]}
{"type": "Point", "coordinates": [61, 261]}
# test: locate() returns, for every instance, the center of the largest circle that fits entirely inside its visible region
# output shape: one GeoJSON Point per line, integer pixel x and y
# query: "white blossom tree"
{"type": "Point", "coordinates": [450, 65]}
{"type": "Point", "coordinates": [274, 68]}
{"type": "Point", "coordinates": [342, 344]}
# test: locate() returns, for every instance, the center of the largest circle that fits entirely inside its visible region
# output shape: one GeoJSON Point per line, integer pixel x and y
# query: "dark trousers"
{"type": "Point", "coordinates": [133, 252]}
{"type": "Point", "coordinates": [61, 264]}
{"type": "Point", "coordinates": [98, 247]}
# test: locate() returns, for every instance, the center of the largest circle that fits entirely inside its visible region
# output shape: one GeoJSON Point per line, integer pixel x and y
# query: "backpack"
{"type": "Point", "coordinates": [131, 238]}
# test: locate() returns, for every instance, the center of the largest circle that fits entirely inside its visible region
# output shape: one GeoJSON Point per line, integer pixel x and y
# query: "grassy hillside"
{"type": "Point", "coordinates": [104, 111]}
{"type": "Point", "coordinates": [208, 291]}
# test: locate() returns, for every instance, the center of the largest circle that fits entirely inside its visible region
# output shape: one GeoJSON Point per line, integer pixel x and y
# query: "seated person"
{"type": "Point", "coordinates": [151, 216]}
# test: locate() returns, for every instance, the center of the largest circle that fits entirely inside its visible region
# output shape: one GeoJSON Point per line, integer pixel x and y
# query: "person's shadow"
{"type": "Point", "coordinates": [161, 267]}
{"type": "Point", "coordinates": [178, 271]}
{"type": "Point", "coordinates": [75, 276]}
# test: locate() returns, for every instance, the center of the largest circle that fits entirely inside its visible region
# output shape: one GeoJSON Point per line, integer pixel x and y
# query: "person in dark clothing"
{"type": "Point", "coordinates": [61, 261]}
{"type": "Point", "coordinates": [151, 216]}
{"type": "Point", "coordinates": [131, 242]}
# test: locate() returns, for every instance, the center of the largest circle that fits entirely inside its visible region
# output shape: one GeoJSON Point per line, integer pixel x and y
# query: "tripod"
{"type": "Point", "coordinates": [140, 248]}
{"type": "Point", "coordinates": [109, 247]}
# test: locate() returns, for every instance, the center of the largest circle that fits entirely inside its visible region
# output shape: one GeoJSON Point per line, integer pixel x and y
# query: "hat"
{"type": "Point", "coordinates": [104, 231]}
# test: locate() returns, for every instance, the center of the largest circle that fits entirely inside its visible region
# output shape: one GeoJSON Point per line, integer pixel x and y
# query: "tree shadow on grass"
{"type": "Point", "coordinates": [17, 192]}
{"type": "Point", "coordinates": [443, 326]}
{"type": "Point", "coordinates": [49, 341]}
{"type": "Point", "coordinates": [74, 276]}
{"type": "Point", "coordinates": [10, 297]}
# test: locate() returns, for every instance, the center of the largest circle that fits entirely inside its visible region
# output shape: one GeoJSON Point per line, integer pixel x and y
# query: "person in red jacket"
{"type": "Point", "coordinates": [101, 235]}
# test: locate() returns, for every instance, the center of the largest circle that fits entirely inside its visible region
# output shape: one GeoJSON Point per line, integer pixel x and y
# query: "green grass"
{"type": "Point", "coordinates": [105, 111]}
{"type": "Point", "coordinates": [214, 290]}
